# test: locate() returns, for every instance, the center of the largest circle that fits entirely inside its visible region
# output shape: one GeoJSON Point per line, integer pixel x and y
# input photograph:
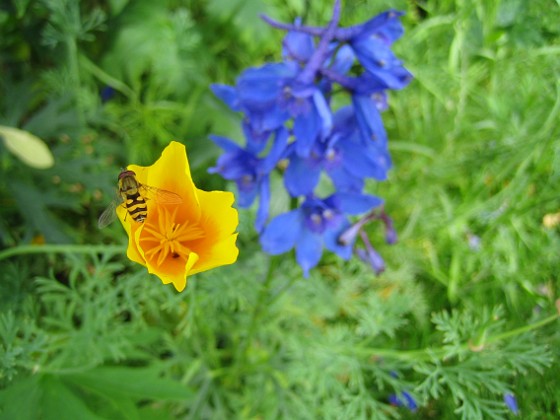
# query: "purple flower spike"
{"type": "Point", "coordinates": [293, 128]}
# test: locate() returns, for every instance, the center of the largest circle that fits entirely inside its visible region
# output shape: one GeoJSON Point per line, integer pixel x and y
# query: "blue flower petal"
{"type": "Point", "coordinates": [276, 152]}
{"type": "Point", "coordinates": [353, 203]}
{"type": "Point", "coordinates": [374, 54]}
{"type": "Point", "coordinates": [386, 25]}
{"type": "Point", "coordinates": [332, 243]}
{"type": "Point", "coordinates": [306, 130]}
{"type": "Point", "coordinates": [410, 401]}
{"type": "Point", "coordinates": [301, 176]}
{"type": "Point", "coordinates": [344, 60]}
{"type": "Point", "coordinates": [343, 180]}
{"type": "Point", "coordinates": [281, 234]}
{"type": "Point", "coordinates": [372, 257]}
{"type": "Point", "coordinates": [297, 46]}
{"type": "Point", "coordinates": [227, 94]}
{"type": "Point", "coordinates": [309, 249]}
{"type": "Point", "coordinates": [511, 403]}
{"type": "Point", "coordinates": [263, 84]}
{"type": "Point", "coordinates": [369, 120]}
{"type": "Point", "coordinates": [236, 164]}
{"type": "Point", "coordinates": [324, 113]}
{"type": "Point", "coordinates": [365, 162]}
{"type": "Point", "coordinates": [257, 140]}
{"type": "Point", "coordinates": [246, 193]}
{"type": "Point", "coordinates": [393, 76]}
{"type": "Point", "coordinates": [228, 145]}
{"type": "Point", "coordinates": [264, 202]}
{"type": "Point", "coordinates": [265, 120]}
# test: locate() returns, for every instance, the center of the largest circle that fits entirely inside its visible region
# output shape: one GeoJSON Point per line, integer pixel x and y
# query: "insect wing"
{"type": "Point", "coordinates": [108, 216]}
{"type": "Point", "coordinates": [159, 195]}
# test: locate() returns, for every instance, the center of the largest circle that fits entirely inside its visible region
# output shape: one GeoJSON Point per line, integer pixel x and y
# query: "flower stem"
{"type": "Point", "coordinates": [429, 353]}
{"type": "Point", "coordinates": [263, 291]}
{"type": "Point", "coordinates": [60, 249]}
{"type": "Point", "coordinates": [74, 69]}
{"type": "Point", "coordinates": [322, 51]}
{"type": "Point", "coordinates": [310, 30]}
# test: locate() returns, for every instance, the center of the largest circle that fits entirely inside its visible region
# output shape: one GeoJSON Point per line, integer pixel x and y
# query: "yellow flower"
{"type": "Point", "coordinates": [176, 240]}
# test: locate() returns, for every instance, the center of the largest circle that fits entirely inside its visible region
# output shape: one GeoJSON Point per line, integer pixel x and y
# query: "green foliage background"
{"type": "Point", "coordinates": [464, 313]}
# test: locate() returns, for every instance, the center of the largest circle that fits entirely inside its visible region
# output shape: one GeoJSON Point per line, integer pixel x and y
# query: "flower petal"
{"type": "Point", "coordinates": [258, 86]}
{"type": "Point", "coordinates": [175, 272]}
{"type": "Point", "coordinates": [282, 233]}
{"type": "Point", "coordinates": [227, 94]}
{"type": "Point", "coordinates": [224, 252]}
{"type": "Point", "coordinates": [307, 127]}
{"type": "Point", "coordinates": [365, 162]}
{"type": "Point", "coordinates": [297, 46]}
{"type": "Point", "coordinates": [353, 203]}
{"type": "Point", "coordinates": [219, 221]}
{"type": "Point", "coordinates": [344, 60]}
{"type": "Point", "coordinates": [171, 172]}
{"type": "Point", "coordinates": [332, 243]}
{"type": "Point", "coordinates": [276, 151]}
{"type": "Point", "coordinates": [369, 120]}
{"type": "Point", "coordinates": [301, 176]}
{"type": "Point", "coordinates": [309, 249]}
{"type": "Point", "coordinates": [264, 203]}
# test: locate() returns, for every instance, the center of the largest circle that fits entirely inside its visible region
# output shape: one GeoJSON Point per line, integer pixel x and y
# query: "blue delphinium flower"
{"type": "Point", "coordinates": [344, 156]}
{"type": "Point", "coordinates": [250, 173]}
{"type": "Point", "coordinates": [403, 399]}
{"type": "Point", "coordinates": [511, 403]}
{"type": "Point", "coordinates": [316, 224]}
{"type": "Point", "coordinates": [289, 117]}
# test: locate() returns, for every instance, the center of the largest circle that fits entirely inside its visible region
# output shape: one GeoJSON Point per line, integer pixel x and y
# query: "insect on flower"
{"type": "Point", "coordinates": [133, 195]}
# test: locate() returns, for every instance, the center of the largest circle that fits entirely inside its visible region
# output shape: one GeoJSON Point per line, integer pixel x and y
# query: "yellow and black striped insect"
{"type": "Point", "coordinates": [133, 195]}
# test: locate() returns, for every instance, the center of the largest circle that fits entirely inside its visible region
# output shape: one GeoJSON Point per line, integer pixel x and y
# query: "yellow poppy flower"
{"type": "Point", "coordinates": [176, 240]}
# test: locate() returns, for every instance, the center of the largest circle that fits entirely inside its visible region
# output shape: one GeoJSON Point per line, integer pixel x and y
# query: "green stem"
{"type": "Point", "coordinates": [74, 69]}
{"type": "Point", "coordinates": [438, 352]}
{"type": "Point", "coordinates": [242, 349]}
{"type": "Point", "coordinates": [106, 78]}
{"type": "Point", "coordinates": [61, 249]}
{"type": "Point", "coordinates": [523, 329]}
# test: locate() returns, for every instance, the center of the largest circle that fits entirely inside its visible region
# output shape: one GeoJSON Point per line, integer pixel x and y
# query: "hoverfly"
{"type": "Point", "coordinates": [133, 195]}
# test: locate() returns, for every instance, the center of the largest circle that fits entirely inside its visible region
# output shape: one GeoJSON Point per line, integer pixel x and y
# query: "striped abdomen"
{"type": "Point", "coordinates": [136, 206]}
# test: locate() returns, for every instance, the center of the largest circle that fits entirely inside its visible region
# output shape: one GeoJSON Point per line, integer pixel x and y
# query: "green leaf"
{"type": "Point", "coordinates": [245, 14]}
{"type": "Point", "coordinates": [137, 383]}
{"type": "Point", "coordinates": [60, 403]}
{"type": "Point", "coordinates": [21, 400]}
{"type": "Point", "coordinates": [30, 149]}
{"type": "Point", "coordinates": [42, 397]}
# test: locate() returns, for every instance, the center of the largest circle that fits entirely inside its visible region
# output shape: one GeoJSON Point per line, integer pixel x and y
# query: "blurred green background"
{"type": "Point", "coordinates": [464, 313]}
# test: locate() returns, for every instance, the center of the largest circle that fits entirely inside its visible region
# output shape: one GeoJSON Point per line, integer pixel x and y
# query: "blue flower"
{"type": "Point", "coordinates": [316, 224]}
{"type": "Point", "coordinates": [107, 93]}
{"type": "Point", "coordinates": [370, 256]}
{"type": "Point", "coordinates": [372, 46]}
{"type": "Point", "coordinates": [344, 156]}
{"type": "Point", "coordinates": [295, 99]}
{"type": "Point", "coordinates": [369, 121]}
{"type": "Point", "coordinates": [250, 173]}
{"type": "Point", "coordinates": [403, 399]}
{"type": "Point", "coordinates": [258, 94]}
{"type": "Point", "coordinates": [311, 114]}
{"type": "Point", "coordinates": [511, 403]}
{"type": "Point", "coordinates": [272, 94]}
{"type": "Point", "coordinates": [297, 46]}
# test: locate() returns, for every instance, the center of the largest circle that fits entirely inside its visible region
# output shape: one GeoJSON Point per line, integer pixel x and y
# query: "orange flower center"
{"type": "Point", "coordinates": [166, 238]}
